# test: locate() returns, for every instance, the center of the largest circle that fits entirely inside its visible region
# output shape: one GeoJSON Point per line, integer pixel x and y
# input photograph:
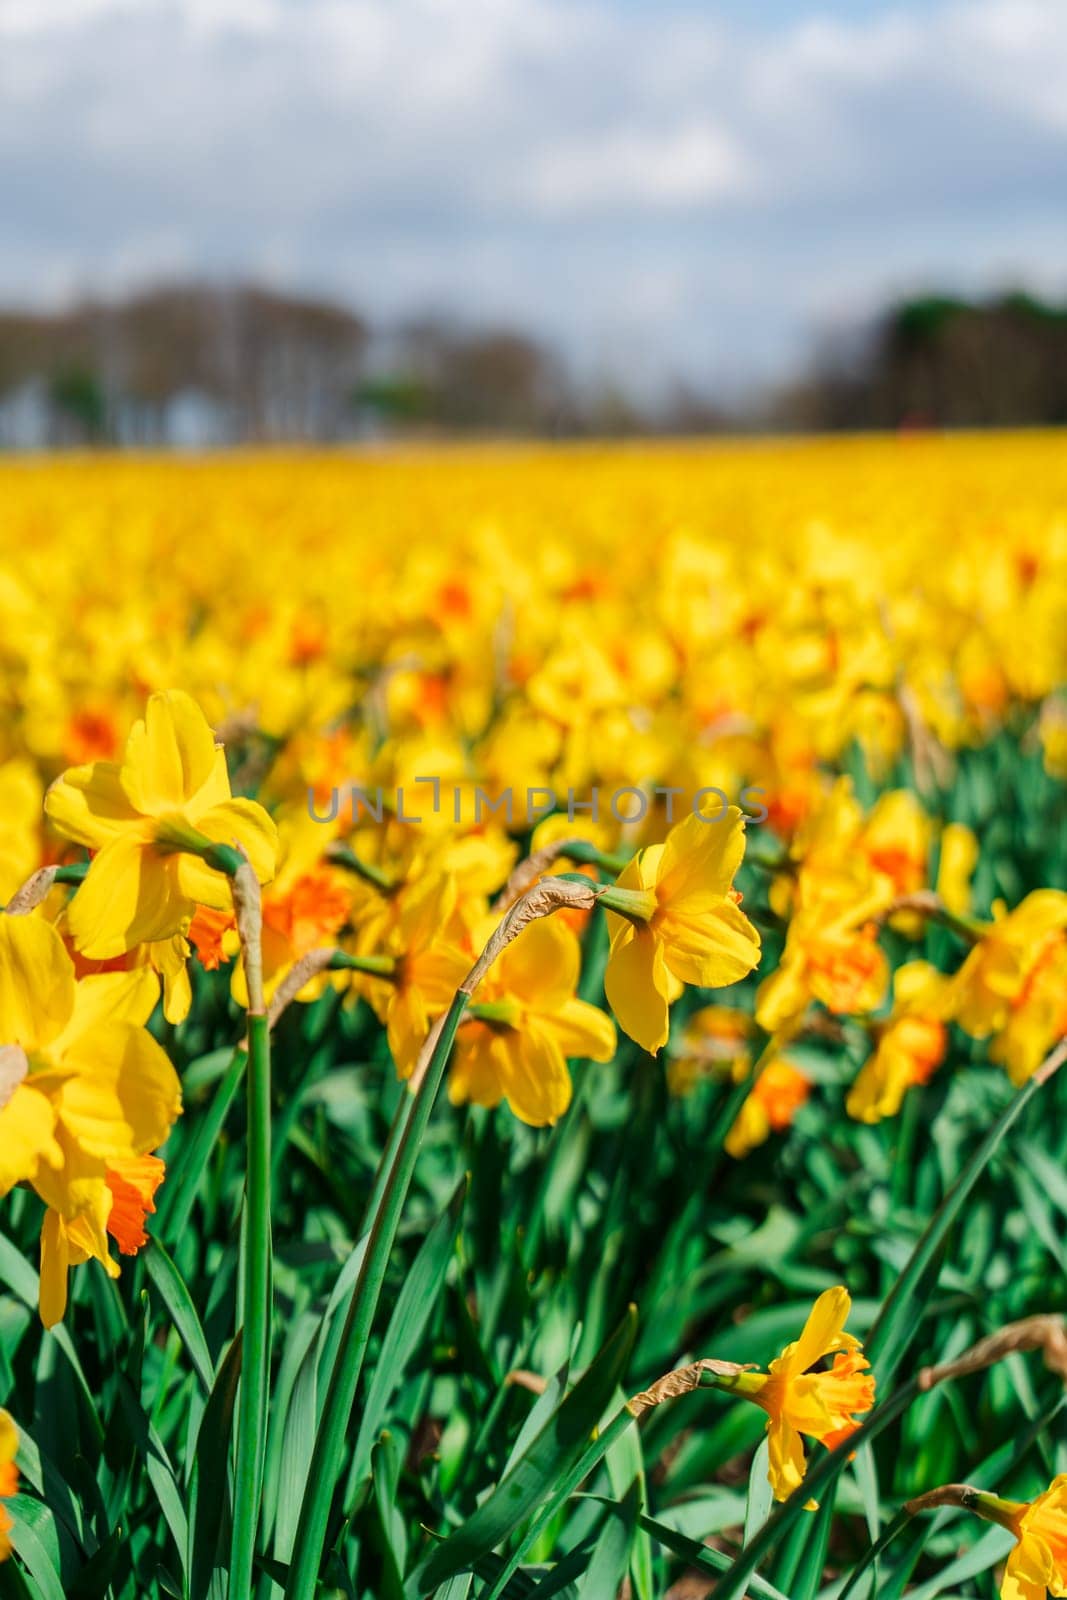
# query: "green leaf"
{"type": "Point", "coordinates": [415, 1304]}
{"type": "Point", "coordinates": [696, 1554]}
{"type": "Point", "coordinates": [611, 1557]}
{"type": "Point", "coordinates": [208, 1559]}
{"type": "Point", "coordinates": [546, 1464]}
{"type": "Point", "coordinates": [30, 1529]}
{"type": "Point", "coordinates": [158, 1468]}
{"type": "Point", "coordinates": [760, 1494]}
{"type": "Point", "coordinates": [178, 1302]}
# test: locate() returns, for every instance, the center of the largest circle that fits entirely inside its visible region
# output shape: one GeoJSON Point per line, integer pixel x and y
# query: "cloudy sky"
{"type": "Point", "coordinates": [693, 186]}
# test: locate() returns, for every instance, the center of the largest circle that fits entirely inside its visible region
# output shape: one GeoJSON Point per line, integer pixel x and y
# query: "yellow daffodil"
{"type": "Point", "coordinates": [1039, 1560]}
{"type": "Point", "coordinates": [524, 1023]}
{"type": "Point", "coordinates": [1038, 1012]}
{"type": "Point", "coordinates": [1037, 1566]}
{"type": "Point", "coordinates": [910, 1045]}
{"type": "Point", "coordinates": [146, 818]}
{"type": "Point", "coordinates": [85, 1094]}
{"type": "Point", "coordinates": [995, 975]}
{"type": "Point", "coordinates": [674, 918]}
{"type": "Point", "coordinates": [776, 1097]}
{"type": "Point", "coordinates": [426, 963]}
{"type": "Point", "coordinates": [9, 1479]}
{"type": "Point", "coordinates": [831, 955]}
{"type": "Point", "coordinates": [800, 1397]}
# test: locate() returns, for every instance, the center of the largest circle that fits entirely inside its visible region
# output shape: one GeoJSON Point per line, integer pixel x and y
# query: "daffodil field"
{"type": "Point", "coordinates": [531, 992]}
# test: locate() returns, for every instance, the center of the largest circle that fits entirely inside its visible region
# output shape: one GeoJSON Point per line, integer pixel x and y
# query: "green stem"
{"type": "Point", "coordinates": [587, 855]}
{"type": "Point", "coordinates": [255, 1366]}
{"type": "Point", "coordinates": [342, 856]}
{"type": "Point", "coordinates": [374, 966]}
{"type": "Point", "coordinates": [327, 1456]}
{"type": "Point", "coordinates": [74, 873]}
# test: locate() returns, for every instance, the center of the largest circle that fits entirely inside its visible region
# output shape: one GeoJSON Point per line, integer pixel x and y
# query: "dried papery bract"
{"type": "Point", "coordinates": [1045, 1333]}
{"type": "Point", "coordinates": [32, 893]}
{"type": "Point", "coordinates": [683, 1381]}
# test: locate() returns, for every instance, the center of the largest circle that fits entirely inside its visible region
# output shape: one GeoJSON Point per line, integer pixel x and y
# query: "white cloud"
{"type": "Point", "coordinates": [659, 168]}
{"type": "Point", "coordinates": [647, 175]}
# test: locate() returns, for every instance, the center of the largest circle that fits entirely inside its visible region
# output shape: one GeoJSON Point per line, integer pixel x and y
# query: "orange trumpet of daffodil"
{"type": "Point", "coordinates": [148, 818]}
{"type": "Point", "coordinates": [674, 918]}
{"type": "Point", "coordinates": [86, 1094]}
{"type": "Point", "coordinates": [800, 1399]}
{"type": "Point", "coordinates": [776, 1097]}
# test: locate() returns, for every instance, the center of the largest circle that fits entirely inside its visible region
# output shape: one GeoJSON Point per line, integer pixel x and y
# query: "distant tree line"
{"type": "Point", "coordinates": [258, 365]}
{"type": "Point", "coordinates": [200, 365]}
{"type": "Point", "coordinates": [941, 362]}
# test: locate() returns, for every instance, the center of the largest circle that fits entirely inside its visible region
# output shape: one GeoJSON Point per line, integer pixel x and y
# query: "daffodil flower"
{"type": "Point", "coordinates": [1037, 1566]}
{"type": "Point", "coordinates": [1012, 983]}
{"type": "Point", "coordinates": [149, 818]}
{"type": "Point", "coordinates": [426, 967]}
{"type": "Point", "coordinates": [775, 1098]}
{"type": "Point", "coordinates": [9, 1478]}
{"type": "Point", "coordinates": [800, 1400]}
{"type": "Point", "coordinates": [523, 1024]}
{"type": "Point", "coordinates": [910, 1045]}
{"type": "Point", "coordinates": [674, 918]}
{"type": "Point", "coordinates": [86, 1094]}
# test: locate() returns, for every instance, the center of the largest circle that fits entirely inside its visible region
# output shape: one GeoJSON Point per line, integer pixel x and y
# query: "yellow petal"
{"type": "Point", "coordinates": [9, 1439]}
{"type": "Point", "coordinates": [959, 857]}
{"type": "Point", "coordinates": [169, 756]}
{"type": "Point", "coordinates": [534, 1076]}
{"type": "Point", "coordinates": [708, 941]}
{"type": "Point", "coordinates": [110, 997]}
{"type": "Point", "coordinates": [782, 997]}
{"type": "Point", "coordinates": [244, 824]}
{"type": "Point", "coordinates": [406, 1028]}
{"type": "Point", "coordinates": [474, 1074]}
{"type": "Point", "coordinates": [55, 1264]}
{"type": "Point", "coordinates": [177, 990]}
{"type": "Point", "coordinates": [786, 1461]}
{"type": "Point", "coordinates": [36, 982]}
{"type": "Point", "coordinates": [541, 966]}
{"type": "Point", "coordinates": [635, 983]}
{"type": "Point", "coordinates": [123, 1094]}
{"type": "Point", "coordinates": [130, 896]}
{"type": "Point", "coordinates": [27, 1136]}
{"type": "Point", "coordinates": [1030, 1569]}
{"type": "Point", "coordinates": [701, 854]}
{"type": "Point", "coordinates": [424, 910]}
{"type": "Point", "coordinates": [582, 1030]}
{"type": "Point", "coordinates": [89, 805]}
{"type": "Point", "coordinates": [821, 1332]}
{"type": "Point", "coordinates": [751, 1127]}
